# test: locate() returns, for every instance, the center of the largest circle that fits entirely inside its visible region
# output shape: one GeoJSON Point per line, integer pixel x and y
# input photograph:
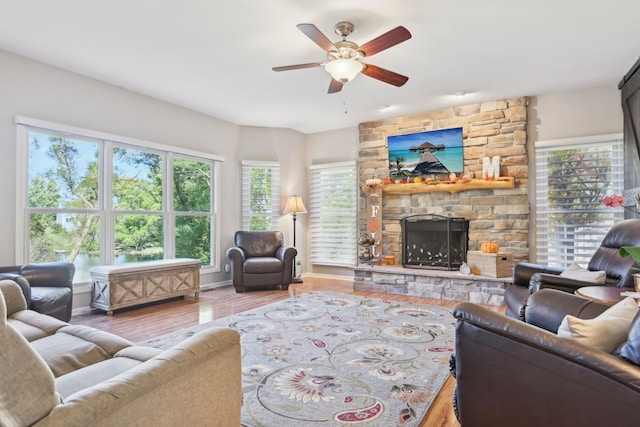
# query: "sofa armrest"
{"type": "Point", "coordinates": [547, 308]}
{"type": "Point", "coordinates": [196, 382]}
{"type": "Point", "coordinates": [21, 282]}
{"type": "Point", "coordinates": [13, 296]}
{"type": "Point", "coordinates": [551, 281]}
{"type": "Point", "coordinates": [286, 254]}
{"type": "Point", "coordinates": [522, 272]}
{"type": "Point", "coordinates": [52, 274]}
{"type": "Point", "coordinates": [512, 373]}
{"type": "Point", "coordinates": [237, 256]}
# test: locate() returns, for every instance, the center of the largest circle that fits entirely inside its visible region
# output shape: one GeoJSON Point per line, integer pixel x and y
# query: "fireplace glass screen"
{"type": "Point", "coordinates": [434, 242]}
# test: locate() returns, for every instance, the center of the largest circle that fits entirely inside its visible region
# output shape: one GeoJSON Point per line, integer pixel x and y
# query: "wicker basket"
{"type": "Point", "coordinates": [490, 265]}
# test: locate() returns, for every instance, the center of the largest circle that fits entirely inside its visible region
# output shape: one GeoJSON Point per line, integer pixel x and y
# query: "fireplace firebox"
{"type": "Point", "coordinates": [434, 241]}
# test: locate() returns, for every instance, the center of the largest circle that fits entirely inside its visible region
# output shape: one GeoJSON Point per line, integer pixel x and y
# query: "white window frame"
{"type": "Point", "coordinates": [561, 251]}
{"type": "Point", "coordinates": [247, 167]}
{"type": "Point", "coordinates": [107, 141]}
{"type": "Point", "coordinates": [339, 247]}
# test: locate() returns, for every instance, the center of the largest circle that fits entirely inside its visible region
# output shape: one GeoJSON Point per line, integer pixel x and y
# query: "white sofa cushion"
{"type": "Point", "coordinates": [575, 272]}
{"type": "Point", "coordinates": [604, 332]}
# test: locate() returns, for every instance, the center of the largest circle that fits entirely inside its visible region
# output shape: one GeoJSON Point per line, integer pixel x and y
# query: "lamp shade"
{"type": "Point", "coordinates": [294, 205]}
{"type": "Point", "coordinates": [344, 70]}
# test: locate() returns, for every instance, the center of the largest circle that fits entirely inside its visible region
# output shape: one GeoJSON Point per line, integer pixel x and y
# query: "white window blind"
{"type": "Point", "coordinates": [333, 213]}
{"type": "Point", "coordinates": [572, 177]}
{"type": "Point", "coordinates": [260, 196]}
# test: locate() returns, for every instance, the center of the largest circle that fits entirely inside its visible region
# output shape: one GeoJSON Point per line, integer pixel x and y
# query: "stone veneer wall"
{"type": "Point", "coordinates": [496, 128]}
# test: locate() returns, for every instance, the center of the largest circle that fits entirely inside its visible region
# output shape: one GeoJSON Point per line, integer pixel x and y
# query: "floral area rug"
{"type": "Point", "coordinates": [328, 359]}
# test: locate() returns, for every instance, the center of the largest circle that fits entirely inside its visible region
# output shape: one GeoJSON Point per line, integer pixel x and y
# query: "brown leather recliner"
{"type": "Point", "coordinates": [529, 278]}
{"type": "Point", "coordinates": [512, 373]}
{"type": "Point", "coordinates": [259, 260]}
{"type": "Point", "coordinates": [47, 287]}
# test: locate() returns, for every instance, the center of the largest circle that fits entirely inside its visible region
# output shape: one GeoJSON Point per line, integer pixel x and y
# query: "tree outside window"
{"type": "Point", "coordinates": [67, 208]}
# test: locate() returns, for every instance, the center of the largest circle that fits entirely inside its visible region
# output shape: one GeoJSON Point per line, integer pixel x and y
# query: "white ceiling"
{"type": "Point", "coordinates": [215, 56]}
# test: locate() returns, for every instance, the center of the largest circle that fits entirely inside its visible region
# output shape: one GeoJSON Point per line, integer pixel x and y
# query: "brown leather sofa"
{"type": "Point", "coordinates": [512, 373]}
{"type": "Point", "coordinates": [529, 278]}
{"type": "Point", "coordinates": [47, 287]}
{"type": "Point", "coordinates": [259, 260]}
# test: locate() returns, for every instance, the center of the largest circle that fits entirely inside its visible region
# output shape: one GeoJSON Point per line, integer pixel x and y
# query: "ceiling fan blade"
{"type": "Point", "coordinates": [384, 75]}
{"type": "Point", "coordinates": [297, 67]}
{"type": "Point", "coordinates": [335, 86]}
{"type": "Point", "coordinates": [385, 41]}
{"type": "Point", "coordinates": [316, 35]}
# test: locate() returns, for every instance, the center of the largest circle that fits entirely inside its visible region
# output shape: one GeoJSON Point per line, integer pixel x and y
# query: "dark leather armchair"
{"type": "Point", "coordinates": [529, 278]}
{"type": "Point", "coordinates": [512, 373]}
{"type": "Point", "coordinates": [47, 287]}
{"type": "Point", "coordinates": [259, 260]}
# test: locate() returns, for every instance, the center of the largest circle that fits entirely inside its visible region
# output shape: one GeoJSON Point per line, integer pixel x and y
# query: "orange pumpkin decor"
{"type": "Point", "coordinates": [489, 247]}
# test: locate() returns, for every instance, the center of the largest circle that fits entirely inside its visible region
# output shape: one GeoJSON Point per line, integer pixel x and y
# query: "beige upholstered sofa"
{"type": "Point", "coordinates": [57, 374]}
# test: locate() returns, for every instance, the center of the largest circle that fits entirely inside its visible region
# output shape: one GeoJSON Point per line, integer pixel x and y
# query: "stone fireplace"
{"type": "Point", "coordinates": [434, 242]}
{"type": "Point", "coordinates": [498, 214]}
{"type": "Point", "coordinates": [496, 128]}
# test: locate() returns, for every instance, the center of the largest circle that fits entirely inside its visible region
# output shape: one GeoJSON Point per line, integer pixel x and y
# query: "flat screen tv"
{"type": "Point", "coordinates": [436, 152]}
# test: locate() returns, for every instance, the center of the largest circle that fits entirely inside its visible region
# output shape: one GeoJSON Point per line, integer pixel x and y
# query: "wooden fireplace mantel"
{"type": "Point", "coordinates": [450, 186]}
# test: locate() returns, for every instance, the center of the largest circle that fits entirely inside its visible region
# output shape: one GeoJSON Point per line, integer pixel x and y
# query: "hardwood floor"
{"type": "Point", "coordinates": [143, 323]}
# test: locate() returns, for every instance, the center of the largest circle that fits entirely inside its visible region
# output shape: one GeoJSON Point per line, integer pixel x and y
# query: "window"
{"type": "Point", "coordinates": [260, 196]}
{"type": "Point", "coordinates": [333, 213]}
{"type": "Point", "coordinates": [572, 177]}
{"type": "Point", "coordinates": [91, 200]}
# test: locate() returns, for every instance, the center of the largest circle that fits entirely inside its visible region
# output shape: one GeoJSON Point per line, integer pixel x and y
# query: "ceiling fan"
{"type": "Point", "coordinates": [344, 56]}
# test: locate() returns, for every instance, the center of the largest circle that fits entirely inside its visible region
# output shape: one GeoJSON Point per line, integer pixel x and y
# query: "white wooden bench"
{"type": "Point", "coordinates": [126, 285]}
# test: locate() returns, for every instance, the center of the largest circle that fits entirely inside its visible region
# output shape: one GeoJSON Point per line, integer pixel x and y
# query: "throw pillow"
{"type": "Point", "coordinates": [605, 332]}
{"type": "Point", "coordinates": [575, 272]}
{"type": "Point", "coordinates": [631, 349]}
{"type": "Point", "coordinates": [27, 390]}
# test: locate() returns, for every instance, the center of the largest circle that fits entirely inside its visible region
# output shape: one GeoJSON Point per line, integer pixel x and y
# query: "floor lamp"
{"type": "Point", "coordinates": [294, 207]}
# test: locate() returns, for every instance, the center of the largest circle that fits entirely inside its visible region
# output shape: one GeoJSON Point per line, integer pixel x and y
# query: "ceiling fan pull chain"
{"type": "Point", "coordinates": [344, 101]}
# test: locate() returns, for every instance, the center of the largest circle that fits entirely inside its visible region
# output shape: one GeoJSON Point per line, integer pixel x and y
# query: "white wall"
{"type": "Point", "coordinates": [331, 147]}
{"type": "Point", "coordinates": [593, 111]}
{"type": "Point", "coordinates": [288, 148]}
{"type": "Point", "coordinates": [39, 91]}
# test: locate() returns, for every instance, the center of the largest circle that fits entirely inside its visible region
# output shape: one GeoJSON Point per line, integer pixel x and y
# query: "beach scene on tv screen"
{"type": "Point", "coordinates": [434, 152]}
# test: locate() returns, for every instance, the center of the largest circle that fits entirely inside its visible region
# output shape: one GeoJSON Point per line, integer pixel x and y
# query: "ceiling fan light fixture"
{"type": "Point", "coordinates": [344, 70]}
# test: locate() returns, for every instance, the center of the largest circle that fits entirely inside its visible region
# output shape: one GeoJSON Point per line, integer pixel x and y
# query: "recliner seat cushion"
{"type": "Point", "coordinates": [262, 265]}
{"type": "Point", "coordinates": [91, 375]}
{"type": "Point", "coordinates": [33, 325]}
{"type": "Point", "coordinates": [74, 347]}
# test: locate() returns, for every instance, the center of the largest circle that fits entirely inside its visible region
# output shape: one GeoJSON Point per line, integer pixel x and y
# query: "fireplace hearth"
{"type": "Point", "coordinates": [434, 242]}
